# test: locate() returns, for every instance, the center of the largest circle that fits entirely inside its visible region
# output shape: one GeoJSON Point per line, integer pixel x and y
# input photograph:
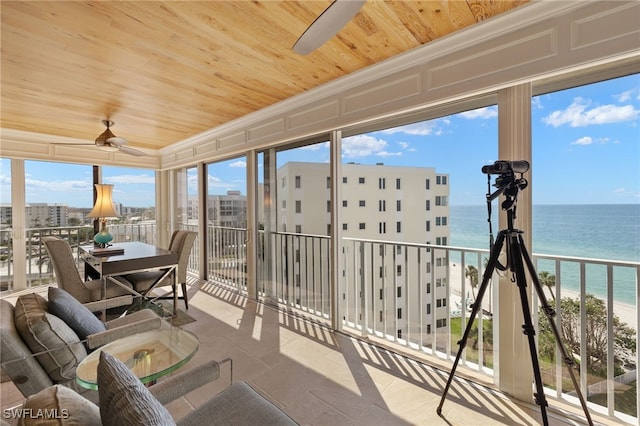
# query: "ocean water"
{"type": "Point", "coordinates": [609, 232]}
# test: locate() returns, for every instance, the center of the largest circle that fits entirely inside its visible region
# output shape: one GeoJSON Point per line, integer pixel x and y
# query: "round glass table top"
{"type": "Point", "coordinates": [148, 355]}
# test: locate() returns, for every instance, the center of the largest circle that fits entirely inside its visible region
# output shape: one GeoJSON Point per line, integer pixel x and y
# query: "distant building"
{"type": "Point", "coordinates": [229, 211]}
{"type": "Point", "coordinates": [45, 215]}
{"type": "Point", "coordinates": [387, 203]}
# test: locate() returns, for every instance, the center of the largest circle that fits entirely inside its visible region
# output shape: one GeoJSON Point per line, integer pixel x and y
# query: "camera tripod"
{"type": "Point", "coordinates": [516, 253]}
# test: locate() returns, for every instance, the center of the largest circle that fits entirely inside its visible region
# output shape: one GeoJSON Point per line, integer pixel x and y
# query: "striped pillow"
{"type": "Point", "coordinates": [124, 400]}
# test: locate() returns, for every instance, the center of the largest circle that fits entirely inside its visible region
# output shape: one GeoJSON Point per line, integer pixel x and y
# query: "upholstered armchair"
{"type": "Point", "coordinates": [42, 342]}
{"type": "Point", "coordinates": [68, 277]}
{"type": "Point", "coordinates": [123, 399]}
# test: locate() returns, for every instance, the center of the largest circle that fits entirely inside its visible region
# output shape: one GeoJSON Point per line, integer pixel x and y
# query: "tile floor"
{"type": "Point", "coordinates": [323, 378]}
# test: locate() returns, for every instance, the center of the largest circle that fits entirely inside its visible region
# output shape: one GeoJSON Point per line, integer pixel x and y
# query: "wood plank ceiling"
{"type": "Point", "coordinates": [164, 70]}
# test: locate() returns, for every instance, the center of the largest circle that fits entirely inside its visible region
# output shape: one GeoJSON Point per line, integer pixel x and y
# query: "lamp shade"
{"type": "Point", "coordinates": [104, 203]}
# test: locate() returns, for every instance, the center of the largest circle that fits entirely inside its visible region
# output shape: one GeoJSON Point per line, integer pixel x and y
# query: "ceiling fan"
{"type": "Point", "coordinates": [107, 141]}
{"type": "Point", "coordinates": [327, 25]}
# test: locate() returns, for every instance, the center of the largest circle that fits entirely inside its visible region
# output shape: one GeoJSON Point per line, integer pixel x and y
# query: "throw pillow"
{"type": "Point", "coordinates": [124, 400]}
{"type": "Point", "coordinates": [61, 406]}
{"type": "Point", "coordinates": [73, 313]}
{"type": "Point", "coordinates": [58, 346]}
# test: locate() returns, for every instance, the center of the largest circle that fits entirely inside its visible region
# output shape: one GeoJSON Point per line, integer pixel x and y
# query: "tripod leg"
{"type": "Point", "coordinates": [550, 313]}
{"type": "Point", "coordinates": [518, 268]}
{"type": "Point", "coordinates": [493, 261]}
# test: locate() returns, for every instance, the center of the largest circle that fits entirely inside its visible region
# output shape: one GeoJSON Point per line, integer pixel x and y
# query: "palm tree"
{"type": "Point", "coordinates": [471, 272]}
{"type": "Point", "coordinates": [548, 280]}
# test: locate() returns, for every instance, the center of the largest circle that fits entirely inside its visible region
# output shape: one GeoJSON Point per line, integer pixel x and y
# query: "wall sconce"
{"type": "Point", "coordinates": [103, 209]}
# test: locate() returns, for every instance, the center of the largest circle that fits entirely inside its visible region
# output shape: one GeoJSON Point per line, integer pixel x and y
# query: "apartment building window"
{"type": "Point", "coordinates": [427, 184]}
{"type": "Point", "coordinates": [381, 249]}
{"type": "Point", "coordinates": [382, 227]}
{"type": "Point", "coordinates": [298, 229]}
{"type": "Point", "coordinates": [428, 308]}
{"type": "Point", "coordinates": [428, 204]}
{"type": "Point", "coordinates": [328, 182]}
{"type": "Point", "coordinates": [398, 250]}
{"type": "Point", "coordinates": [361, 180]}
{"type": "Point", "coordinates": [438, 222]}
{"type": "Point", "coordinates": [344, 227]}
{"type": "Point", "coordinates": [398, 183]}
{"type": "Point", "coordinates": [398, 205]}
{"type": "Point", "coordinates": [283, 182]}
{"type": "Point", "coordinates": [381, 273]}
{"type": "Point", "coordinates": [298, 206]}
{"type": "Point", "coordinates": [444, 221]}
{"type": "Point", "coordinates": [399, 292]}
{"type": "Point", "coordinates": [328, 229]}
{"type": "Point", "coordinates": [344, 203]}
{"type": "Point", "coordinates": [399, 334]}
{"type": "Point", "coordinates": [361, 225]}
{"type": "Point", "coordinates": [399, 270]}
{"type": "Point", "coordinates": [382, 205]}
{"type": "Point", "coordinates": [438, 282]}
{"type": "Point", "coordinates": [428, 226]}
{"type": "Point", "coordinates": [441, 200]}
{"type": "Point", "coordinates": [438, 303]}
{"type": "Point", "coordinates": [381, 317]}
{"type": "Point", "coordinates": [441, 180]}
{"type": "Point", "coordinates": [298, 182]}
{"type": "Point", "coordinates": [284, 204]}
{"type": "Point", "coordinates": [362, 203]}
{"type": "Point", "coordinates": [382, 183]}
{"type": "Point", "coordinates": [441, 323]}
{"type": "Point", "coordinates": [399, 313]}
{"type": "Point", "coordinates": [398, 227]}
{"type": "Point", "coordinates": [344, 179]}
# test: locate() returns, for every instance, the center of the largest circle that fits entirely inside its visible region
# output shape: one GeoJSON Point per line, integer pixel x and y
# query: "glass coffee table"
{"type": "Point", "coordinates": [149, 355]}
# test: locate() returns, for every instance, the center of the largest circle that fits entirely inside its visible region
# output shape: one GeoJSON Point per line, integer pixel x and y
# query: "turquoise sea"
{"type": "Point", "coordinates": [609, 232]}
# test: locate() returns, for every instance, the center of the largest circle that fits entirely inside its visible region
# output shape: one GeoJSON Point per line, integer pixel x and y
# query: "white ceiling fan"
{"type": "Point", "coordinates": [327, 25]}
{"type": "Point", "coordinates": [107, 141]}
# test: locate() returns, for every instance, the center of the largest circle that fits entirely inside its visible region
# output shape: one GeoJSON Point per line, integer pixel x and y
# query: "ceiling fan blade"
{"type": "Point", "coordinates": [115, 140]}
{"type": "Point", "coordinates": [327, 25]}
{"type": "Point", "coordinates": [131, 151]}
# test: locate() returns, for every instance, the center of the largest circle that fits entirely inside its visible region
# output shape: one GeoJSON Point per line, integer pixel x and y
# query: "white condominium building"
{"type": "Point", "coordinates": [391, 209]}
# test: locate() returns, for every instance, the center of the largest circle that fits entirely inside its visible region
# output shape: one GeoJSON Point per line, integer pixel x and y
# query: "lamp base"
{"type": "Point", "coordinates": [103, 237]}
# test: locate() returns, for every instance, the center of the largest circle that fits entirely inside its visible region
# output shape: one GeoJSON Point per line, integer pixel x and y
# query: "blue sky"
{"type": "Point", "coordinates": [586, 150]}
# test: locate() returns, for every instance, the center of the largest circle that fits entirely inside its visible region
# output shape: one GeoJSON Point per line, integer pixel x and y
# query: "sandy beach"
{"type": "Point", "coordinates": [627, 313]}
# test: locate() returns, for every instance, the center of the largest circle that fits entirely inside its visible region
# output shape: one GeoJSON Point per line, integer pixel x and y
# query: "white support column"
{"type": "Point", "coordinates": [18, 225]}
{"type": "Point", "coordinates": [336, 228]}
{"type": "Point", "coordinates": [515, 373]}
{"type": "Point", "coordinates": [202, 220]}
{"type": "Point", "coordinates": [164, 212]}
{"type": "Point", "coordinates": [252, 224]}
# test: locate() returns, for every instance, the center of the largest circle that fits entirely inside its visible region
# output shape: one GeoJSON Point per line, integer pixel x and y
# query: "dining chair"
{"type": "Point", "coordinates": [143, 282]}
{"type": "Point", "coordinates": [69, 279]}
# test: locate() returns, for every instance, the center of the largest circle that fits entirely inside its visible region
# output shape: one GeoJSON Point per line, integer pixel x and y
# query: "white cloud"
{"type": "Point", "coordinates": [425, 128]}
{"type": "Point", "coordinates": [625, 96]}
{"type": "Point", "coordinates": [128, 179]}
{"type": "Point", "coordinates": [587, 140]}
{"type": "Point", "coordinates": [362, 146]}
{"type": "Point", "coordinates": [578, 114]}
{"type": "Point", "coordinates": [58, 186]}
{"type": "Point", "coordinates": [483, 113]}
{"type": "Point", "coordinates": [388, 154]}
{"type": "Point", "coordinates": [239, 163]}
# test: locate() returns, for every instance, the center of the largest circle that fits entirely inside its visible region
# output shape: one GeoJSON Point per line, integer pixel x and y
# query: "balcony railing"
{"type": "Point", "coordinates": [418, 296]}
{"type": "Point", "coordinates": [39, 268]}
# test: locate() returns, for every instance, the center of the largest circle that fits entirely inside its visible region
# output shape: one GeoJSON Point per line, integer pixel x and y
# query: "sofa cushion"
{"type": "Point", "coordinates": [124, 400]}
{"type": "Point", "coordinates": [59, 346]}
{"type": "Point", "coordinates": [59, 405]}
{"type": "Point", "coordinates": [73, 313]}
{"type": "Point", "coordinates": [238, 404]}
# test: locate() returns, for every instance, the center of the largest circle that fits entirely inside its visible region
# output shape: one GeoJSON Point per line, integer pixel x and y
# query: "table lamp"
{"type": "Point", "coordinates": [102, 210]}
